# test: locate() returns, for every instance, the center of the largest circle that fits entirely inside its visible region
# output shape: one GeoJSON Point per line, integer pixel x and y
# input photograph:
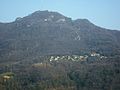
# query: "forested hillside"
{"type": "Point", "coordinates": [49, 51]}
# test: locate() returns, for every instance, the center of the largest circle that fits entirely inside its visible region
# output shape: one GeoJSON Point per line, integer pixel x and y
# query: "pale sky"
{"type": "Point", "coordinates": [104, 13]}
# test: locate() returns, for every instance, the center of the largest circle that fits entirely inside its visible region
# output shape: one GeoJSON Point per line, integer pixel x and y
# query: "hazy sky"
{"type": "Point", "coordinates": [104, 13]}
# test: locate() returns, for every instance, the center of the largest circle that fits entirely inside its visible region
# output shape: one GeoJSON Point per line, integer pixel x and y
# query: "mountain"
{"type": "Point", "coordinates": [51, 33]}
{"type": "Point", "coordinates": [49, 51]}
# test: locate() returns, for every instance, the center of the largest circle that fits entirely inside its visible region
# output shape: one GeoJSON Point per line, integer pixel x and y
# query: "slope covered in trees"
{"type": "Point", "coordinates": [48, 51]}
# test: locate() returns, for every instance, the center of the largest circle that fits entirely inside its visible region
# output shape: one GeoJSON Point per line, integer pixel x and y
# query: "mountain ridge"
{"type": "Point", "coordinates": [51, 33]}
{"type": "Point", "coordinates": [54, 12]}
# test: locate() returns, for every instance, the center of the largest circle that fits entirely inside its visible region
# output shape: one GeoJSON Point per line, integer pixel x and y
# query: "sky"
{"type": "Point", "coordinates": [104, 13]}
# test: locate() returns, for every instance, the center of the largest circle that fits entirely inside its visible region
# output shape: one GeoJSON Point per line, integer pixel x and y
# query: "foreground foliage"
{"type": "Point", "coordinates": [92, 73]}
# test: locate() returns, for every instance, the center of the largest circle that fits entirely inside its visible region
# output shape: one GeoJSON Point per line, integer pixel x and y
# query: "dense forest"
{"type": "Point", "coordinates": [61, 73]}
